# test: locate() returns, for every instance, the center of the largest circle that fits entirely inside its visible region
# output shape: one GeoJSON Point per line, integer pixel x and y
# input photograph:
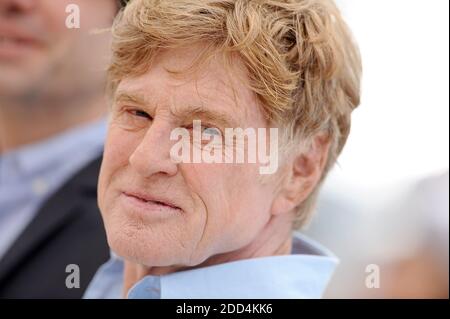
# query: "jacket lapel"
{"type": "Point", "coordinates": [59, 210]}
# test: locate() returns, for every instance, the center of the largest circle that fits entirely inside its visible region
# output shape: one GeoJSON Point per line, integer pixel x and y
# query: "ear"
{"type": "Point", "coordinates": [301, 175]}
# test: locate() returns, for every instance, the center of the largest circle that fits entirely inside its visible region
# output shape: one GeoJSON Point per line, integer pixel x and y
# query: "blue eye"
{"type": "Point", "coordinates": [211, 131]}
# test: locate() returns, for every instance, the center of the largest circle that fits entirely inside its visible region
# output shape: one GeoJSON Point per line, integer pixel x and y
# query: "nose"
{"type": "Point", "coordinates": [16, 7]}
{"type": "Point", "coordinates": [152, 156]}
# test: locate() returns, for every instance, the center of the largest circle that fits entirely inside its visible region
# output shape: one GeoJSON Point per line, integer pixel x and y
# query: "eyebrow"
{"type": "Point", "coordinates": [186, 113]}
{"type": "Point", "coordinates": [136, 98]}
{"type": "Point", "coordinates": [201, 113]}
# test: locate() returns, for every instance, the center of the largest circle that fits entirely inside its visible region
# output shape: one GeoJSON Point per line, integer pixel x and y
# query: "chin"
{"type": "Point", "coordinates": [144, 247]}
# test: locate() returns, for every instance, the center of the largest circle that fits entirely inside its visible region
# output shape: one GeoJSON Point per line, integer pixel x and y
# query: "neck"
{"type": "Point", "coordinates": [27, 122]}
{"type": "Point", "coordinates": [273, 240]}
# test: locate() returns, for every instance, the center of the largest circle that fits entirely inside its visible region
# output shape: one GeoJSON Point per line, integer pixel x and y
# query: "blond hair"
{"type": "Point", "coordinates": [301, 61]}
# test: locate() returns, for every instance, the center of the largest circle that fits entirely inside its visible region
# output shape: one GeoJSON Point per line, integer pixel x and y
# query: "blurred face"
{"type": "Point", "coordinates": [157, 212]}
{"type": "Point", "coordinates": [40, 55]}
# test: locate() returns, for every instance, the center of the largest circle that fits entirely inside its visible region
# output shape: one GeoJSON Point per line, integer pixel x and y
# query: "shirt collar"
{"type": "Point", "coordinates": [303, 274]}
{"type": "Point", "coordinates": [30, 159]}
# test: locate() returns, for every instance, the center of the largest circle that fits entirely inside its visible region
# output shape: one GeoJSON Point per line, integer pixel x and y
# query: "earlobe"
{"type": "Point", "coordinates": [281, 205]}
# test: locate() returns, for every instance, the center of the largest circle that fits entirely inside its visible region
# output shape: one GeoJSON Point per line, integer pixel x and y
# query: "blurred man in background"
{"type": "Point", "coordinates": [51, 138]}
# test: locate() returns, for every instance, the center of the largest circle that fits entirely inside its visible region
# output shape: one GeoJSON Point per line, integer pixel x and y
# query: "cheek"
{"type": "Point", "coordinates": [249, 204]}
{"type": "Point", "coordinates": [92, 14]}
{"type": "Point", "coordinates": [118, 148]}
{"type": "Point", "coordinates": [210, 213]}
{"type": "Point", "coordinates": [210, 184]}
{"type": "Point", "coordinates": [72, 49]}
{"type": "Point", "coordinates": [236, 204]}
{"type": "Point", "coordinates": [249, 198]}
{"type": "Point", "coordinates": [226, 189]}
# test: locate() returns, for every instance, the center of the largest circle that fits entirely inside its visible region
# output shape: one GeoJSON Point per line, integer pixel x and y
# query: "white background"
{"type": "Point", "coordinates": [400, 132]}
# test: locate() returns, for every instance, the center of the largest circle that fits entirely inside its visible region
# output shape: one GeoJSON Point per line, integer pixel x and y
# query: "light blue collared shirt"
{"type": "Point", "coordinates": [31, 174]}
{"type": "Point", "coordinates": [303, 274]}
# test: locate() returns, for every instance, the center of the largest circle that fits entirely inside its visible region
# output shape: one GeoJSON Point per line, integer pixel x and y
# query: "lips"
{"type": "Point", "coordinates": [151, 199]}
{"type": "Point", "coordinates": [27, 32]}
{"type": "Point", "coordinates": [18, 40]}
{"type": "Point", "coordinates": [15, 42]}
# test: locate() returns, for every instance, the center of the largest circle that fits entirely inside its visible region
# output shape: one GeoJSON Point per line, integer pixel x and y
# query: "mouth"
{"type": "Point", "coordinates": [151, 202]}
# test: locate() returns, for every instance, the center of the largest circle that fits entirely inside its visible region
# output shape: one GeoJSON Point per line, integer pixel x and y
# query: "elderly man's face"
{"type": "Point", "coordinates": [157, 212]}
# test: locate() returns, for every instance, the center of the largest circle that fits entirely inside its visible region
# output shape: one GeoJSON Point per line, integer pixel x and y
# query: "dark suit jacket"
{"type": "Point", "coordinates": [68, 229]}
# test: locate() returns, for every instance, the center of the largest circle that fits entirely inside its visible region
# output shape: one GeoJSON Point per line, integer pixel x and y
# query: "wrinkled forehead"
{"type": "Point", "coordinates": [176, 80]}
